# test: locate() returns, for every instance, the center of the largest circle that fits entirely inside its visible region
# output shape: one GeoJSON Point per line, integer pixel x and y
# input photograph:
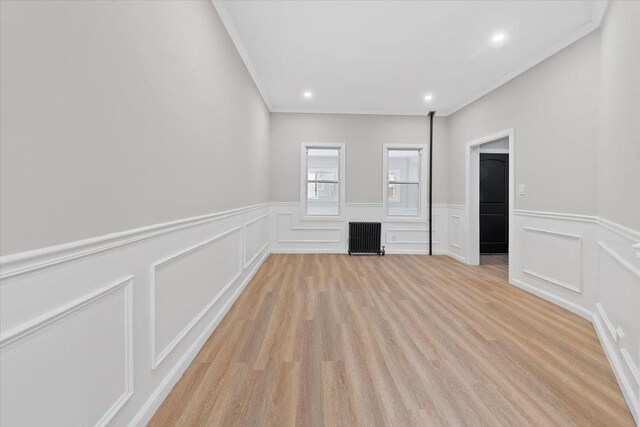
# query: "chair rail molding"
{"type": "Point", "coordinates": [191, 269]}
{"type": "Point", "coordinates": [152, 265]}
{"type": "Point", "coordinates": [26, 262]}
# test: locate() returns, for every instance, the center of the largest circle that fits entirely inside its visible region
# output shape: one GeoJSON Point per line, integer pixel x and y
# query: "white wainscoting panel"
{"type": "Point", "coordinates": [553, 256]}
{"type": "Point", "coordinates": [455, 231]}
{"type": "Point", "coordinates": [72, 366]}
{"type": "Point", "coordinates": [98, 331]}
{"type": "Point", "coordinates": [287, 232]}
{"type": "Point", "coordinates": [187, 284]}
{"type": "Point", "coordinates": [256, 238]}
{"type": "Point", "coordinates": [617, 317]}
{"type": "Point", "coordinates": [409, 236]}
{"type": "Point", "coordinates": [296, 234]}
{"type": "Point", "coordinates": [123, 315]}
{"type": "Point", "coordinates": [587, 265]}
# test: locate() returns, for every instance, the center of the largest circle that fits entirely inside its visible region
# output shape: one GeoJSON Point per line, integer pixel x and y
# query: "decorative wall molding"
{"type": "Point", "coordinates": [129, 362]}
{"type": "Point", "coordinates": [455, 232]}
{"type": "Point", "coordinates": [371, 205]}
{"type": "Point", "coordinates": [356, 211]}
{"type": "Point", "coordinates": [552, 280]}
{"type": "Point", "coordinates": [553, 233]}
{"type": "Point", "coordinates": [605, 319]}
{"type": "Point", "coordinates": [621, 230]}
{"type": "Point", "coordinates": [613, 341]}
{"type": "Point", "coordinates": [290, 204]}
{"type": "Point", "coordinates": [157, 358]}
{"type": "Point", "coordinates": [64, 272]}
{"type": "Point", "coordinates": [14, 335]}
{"type": "Point", "coordinates": [617, 228]}
{"type": "Point", "coordinates": [144, 414]}
{"type": "Point", "coordinates": [556, 215]}
{"type": "Point", "coordinates": [153, 385]}
{"type": "Point", "coordinates": [623, 262]}
{"type": "Point", "coordinates": [27, 262]}
{"type": "Point", "coordinates": [547, 278]}
{"type": "Point", "coordinates": [610, 278]}
{"type": "Point", "coordinates": [55, 315]}
{"type": "Point", "coordinates": [257, 254]}
{"type": "Point", "coordinates": [248, 259]}
{"type": "Point", "coordinates": [409, 242]}
{"type": "Point", "coordinates": [450, 206]}
{"type": "Point", "coordinates": [292, 228]}
{"type": "Point", "coordinates": [363, 205]}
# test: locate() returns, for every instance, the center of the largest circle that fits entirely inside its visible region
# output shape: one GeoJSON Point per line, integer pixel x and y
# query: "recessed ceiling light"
{"type": "Point", "coordinates": [428, 97]}
{"type": "Point", "coordinates": [308, 94]}
{"type": "Point", "coordinates": [498, 37]}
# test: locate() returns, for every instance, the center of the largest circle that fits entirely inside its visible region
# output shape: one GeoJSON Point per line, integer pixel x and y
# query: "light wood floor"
{"type": "Point", "coordinates": [398, 340]}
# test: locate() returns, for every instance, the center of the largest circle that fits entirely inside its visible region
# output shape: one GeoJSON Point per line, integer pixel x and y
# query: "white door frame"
{"type": "Point", "coordinates": [472, 193]}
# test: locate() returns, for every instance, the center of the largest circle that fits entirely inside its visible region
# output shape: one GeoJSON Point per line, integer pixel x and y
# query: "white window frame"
{"type": "Point", "coordinates": [304, 177]}
{"type": "Point", "coordinates": [423, 184]}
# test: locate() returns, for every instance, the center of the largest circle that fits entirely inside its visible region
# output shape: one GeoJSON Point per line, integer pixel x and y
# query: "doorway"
{"type": "Point", "coordinates": [489, 219]}
{"type": "Point", "coordinates": [494, 203]}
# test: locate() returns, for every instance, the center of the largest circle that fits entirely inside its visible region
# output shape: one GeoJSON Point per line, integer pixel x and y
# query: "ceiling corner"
{"type": "Point", "coordinates": [598, 11]}
{"type": "Point", "coordinates": [225, 17]}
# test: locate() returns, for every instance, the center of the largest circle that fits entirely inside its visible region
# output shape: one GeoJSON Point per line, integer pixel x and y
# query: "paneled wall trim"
{"type": "Point", "coordinates": [13, 265]}
{"type": "Point", "coordinates": [18, 402]}
{"type": "Point", "coordinates": [588, 265]}
{"type": "Point", "coordinates": [292, 232]}
{"type": "Point", "coordinates": [553, 256]}
{"type": "Point", "coordinates": [158, 357]}
{"type": "Point", "coordinates": [142, 301]}
{"type": "Point", "coordinates": [146, 300]}
{"type": "Point", "coordinates": [251, 252]}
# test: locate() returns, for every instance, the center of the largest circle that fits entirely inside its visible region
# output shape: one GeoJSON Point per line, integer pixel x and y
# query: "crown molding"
{"type": "Point", "coordinates": [598, 11]}
{"type": "Point", "coordinates": [355, 112]}
{"type": "Point", "coordinates": [597, 16]}
{"type": "Point", "coordinates": [225, 17]}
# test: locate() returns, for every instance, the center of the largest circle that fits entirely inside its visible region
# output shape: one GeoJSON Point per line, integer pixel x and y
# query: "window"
{"type": "Point", "coordinates": [323, 182]}
{"type": "Point", "coordinates": [403, 171]}
{"type": "Point", "coordinates": [392, 193]}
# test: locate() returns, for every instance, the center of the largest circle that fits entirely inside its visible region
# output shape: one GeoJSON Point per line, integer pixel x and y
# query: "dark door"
{"type": "Point", "coordinates": [494, 203]}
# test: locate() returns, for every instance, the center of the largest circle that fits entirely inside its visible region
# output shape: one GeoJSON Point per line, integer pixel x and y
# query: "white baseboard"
{"type": "Point", "coordinates": [627, 385]}
{"type": "Point", "coordinates": [80, 268]}
{"type": "Point", "coordinates": [574, 308]}
{"type": "Point", "coordinates": [618, 370]}
{"type": "Point", "coordinates": [205, 263]}
{"type": "Point", "coordinates": [308, 251]}
{"type": "Point", "coordinates": [162, 391]}
{"type": "Point", "coordinates": [452, 255]}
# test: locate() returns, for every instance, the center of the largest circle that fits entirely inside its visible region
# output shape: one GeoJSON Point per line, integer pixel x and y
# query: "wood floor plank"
{"type": "Point", "coordinates": [332, 340]}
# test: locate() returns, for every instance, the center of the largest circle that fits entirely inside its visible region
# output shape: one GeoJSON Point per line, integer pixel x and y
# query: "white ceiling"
{"type": "Point", "coordinates": [383, 57]}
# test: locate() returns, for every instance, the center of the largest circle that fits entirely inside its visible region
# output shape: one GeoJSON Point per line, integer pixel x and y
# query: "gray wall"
{"type": "Point", "coordinates": [619, 146]}
{"type": "Point", "coordinates": [363, 136]}
{"type": "Point", "coordinates": [553, 108]}
{"type": "Point", "coordinates": [118, 115]}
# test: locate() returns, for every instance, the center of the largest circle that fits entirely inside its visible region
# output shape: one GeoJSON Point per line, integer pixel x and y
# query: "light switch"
{"type": "Point", "coordinates": [522, 189]}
